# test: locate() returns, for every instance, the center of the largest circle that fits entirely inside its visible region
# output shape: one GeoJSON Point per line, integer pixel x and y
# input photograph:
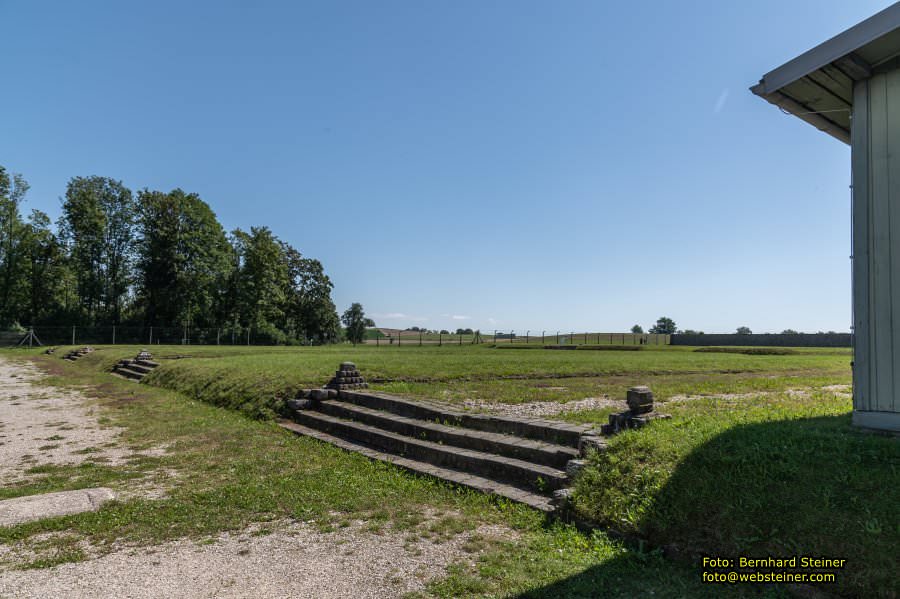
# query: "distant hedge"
{"type": "Point", "coordinates": [750, 351]}
{"type": "Point", "coordinates": [765, 339]}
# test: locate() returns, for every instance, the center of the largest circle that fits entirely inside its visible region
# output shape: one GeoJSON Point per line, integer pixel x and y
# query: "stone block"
{"type": "Point", "coordinates": [591, 443]}
{"type": "Point", "coordinates": [348, 366]}
{"type": "Point", "coordinates": [562, 496]}
{"type": "Point", "coordinates": [619, 419]}
{"type": "Point", "coordinates": [318, 394]}
{"type": "Point", "coordinates": [640, 400]}
{"type": "Point", "coordinates": [574, 467]}
{"type": "Point", "coordinates": [300, 404]}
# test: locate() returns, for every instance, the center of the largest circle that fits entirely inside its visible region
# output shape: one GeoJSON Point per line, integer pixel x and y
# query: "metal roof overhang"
{"type": "Point", "coordinates": [817, 86]}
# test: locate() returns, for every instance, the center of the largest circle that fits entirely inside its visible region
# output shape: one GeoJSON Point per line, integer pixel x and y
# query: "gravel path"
{"type": "Point", "coordinates": [538, 409]}
{"type": "Point", "coordinates": [294, 561]}
{"type": "Point", "coordinates": [41, 425]}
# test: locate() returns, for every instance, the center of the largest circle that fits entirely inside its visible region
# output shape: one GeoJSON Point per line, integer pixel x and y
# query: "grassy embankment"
{"type": "Point", "coordinates": [223, 471]}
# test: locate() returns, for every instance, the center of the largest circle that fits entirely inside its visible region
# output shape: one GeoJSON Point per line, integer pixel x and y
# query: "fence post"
{"type": "Point", "coordinates": [495, 336]}
{"type": "Point", "coordinates": [377, 341]}
{"type": "Point", "coordinates": [114, 335]}
{"type": "Point", "coordinates": [218, 334]}
{"type": "Point", "coordinates": [542, 337]}
{"type": "Point", "coordinates": [151, 335]}
{"type": "Point", "coordinates": [511, 335]}
{"type": "Point", "coordinates": [526, 336]}
{"type": "Point", "coordinates": [460, 339]}
{"type": "Point", "coordinates": [73, 335]}
{"type": "Point", "coordinates": [420, 338]}
{"type": "Point", "coordinates": [248, 335]}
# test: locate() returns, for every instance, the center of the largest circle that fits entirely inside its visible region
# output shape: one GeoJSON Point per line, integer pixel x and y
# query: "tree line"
{"type": "Point", "coordinates": [153, 258]}
{"type": "Point", "coordinates": [666, 326]}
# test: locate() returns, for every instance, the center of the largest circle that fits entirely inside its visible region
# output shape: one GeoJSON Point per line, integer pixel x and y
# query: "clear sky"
{"type": "Point", "coordinates": [486, 164]}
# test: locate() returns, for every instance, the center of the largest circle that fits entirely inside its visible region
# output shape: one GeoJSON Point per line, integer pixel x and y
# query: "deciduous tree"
{"type": "Point", "coordinates": [664, 326]}
{"type": "Point", "coordinates": [354, 320]}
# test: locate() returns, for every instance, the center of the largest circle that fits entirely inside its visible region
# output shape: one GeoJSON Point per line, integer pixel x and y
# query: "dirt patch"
{"type": "Point", "coordinates": [280, 559]}
{"type": "Point", "coordinates": [42, 425]}
{"type": "Point", "coordinates": [840, 390]}
{"type": "Point", "coordinates": [719, 396]}
{"type": "Point", "coordinates": [538, 409]}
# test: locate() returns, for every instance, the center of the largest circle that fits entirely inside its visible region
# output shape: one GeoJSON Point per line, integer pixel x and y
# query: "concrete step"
{"type": "Point", "coordinates": [519, 473]}
{"type": "Point", "coordinates": [484, 485]}
{"type": "Point", "coordinates": [137, 366]}
{"type": "Point", "coordinates": [122, 376]}
{"type": "Point", "coordinates": [127, 372]}
{"type": "Point", "coordinates": [146, 363]}
{"type": "Point", "coordinates": [539, 452]}
{"type": "Point", "coordinates": [558, 433]}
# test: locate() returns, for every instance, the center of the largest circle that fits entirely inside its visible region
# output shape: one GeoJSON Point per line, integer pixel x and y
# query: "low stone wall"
{"type": "Point", "coordinates": [771, 340]}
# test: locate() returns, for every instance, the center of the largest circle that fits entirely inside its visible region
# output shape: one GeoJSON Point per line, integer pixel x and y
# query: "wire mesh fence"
{"type": "Point", "coordinates": [149, 335]}
{"type": "Point", "coordinates": [236, 335]}
{"type": "Point", "coordinates": [390, 337]}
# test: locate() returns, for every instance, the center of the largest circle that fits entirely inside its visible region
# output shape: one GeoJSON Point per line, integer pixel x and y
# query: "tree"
{"type": "Point", "coordinates": [690, 332]}
{"type": "Point", "coordinates": [444, 332]}
{"type": "Point", "coordinates": [354, 320]}
{"type": "Point", "coordinates": [97, 224]}
{"type": "Point", "coordinates": [664, 326]}
{"type": "Point", "coordinates": [310, 308]}
{"type": "Point", "coordinates": [744, 331]}
{"type": "Point", "coordinates": [789, 332]}
{"type": "Point", "coordinates": [184, 260]}
{"type": "Point", "coordinates": [12, 232]}
{"type": "Point", "coordinates": [48, 276]}
{"type": "Point", "coordinates": [637, 329]}
{"type": "Point", "coordinates": [263, 282]}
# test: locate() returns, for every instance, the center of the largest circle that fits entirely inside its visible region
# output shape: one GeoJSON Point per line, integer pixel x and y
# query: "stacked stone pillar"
{"type": "Point", "coordinates": [640, 411]}
{"type": "Point", "coordinates": [347, 378]}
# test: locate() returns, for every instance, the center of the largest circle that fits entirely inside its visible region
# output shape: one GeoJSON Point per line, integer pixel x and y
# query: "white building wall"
{"type": "Point", "coordinates": [875, 141]}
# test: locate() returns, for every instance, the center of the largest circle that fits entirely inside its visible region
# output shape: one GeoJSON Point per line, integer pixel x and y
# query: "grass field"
{"type": "Point", "coordinates": [759, 457]}
{"type": "Point", "coordinates": [250, 378]}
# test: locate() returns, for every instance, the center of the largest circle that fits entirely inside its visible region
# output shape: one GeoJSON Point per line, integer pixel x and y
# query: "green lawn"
{"type": "Point", "coordinates": [233, 471]}
{"type": "Point", "coordinates": [759, 457]}
{"type": "Point", "coordinates": [250, 378]}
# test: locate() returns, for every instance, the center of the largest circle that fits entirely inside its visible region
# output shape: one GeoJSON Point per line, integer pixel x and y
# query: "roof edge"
{"type": "Point", "coordinates": [802, 112]}
{"type": "Point", "coordinates": [835, 48]}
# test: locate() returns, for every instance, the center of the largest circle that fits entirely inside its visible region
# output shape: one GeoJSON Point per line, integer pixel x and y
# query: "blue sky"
{"type": "Point", "coordinates": [486, 164]}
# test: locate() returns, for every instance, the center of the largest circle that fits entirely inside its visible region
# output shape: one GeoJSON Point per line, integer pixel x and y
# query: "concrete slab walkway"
{"type": "Point", "coordinates": [49, 505]}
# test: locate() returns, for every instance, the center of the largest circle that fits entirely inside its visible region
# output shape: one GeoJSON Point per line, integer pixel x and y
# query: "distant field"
{"type": "Point", "coordinates": [389, 337]}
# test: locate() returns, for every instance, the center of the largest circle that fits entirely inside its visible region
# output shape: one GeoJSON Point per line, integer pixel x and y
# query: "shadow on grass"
{"type": "Point", "coordinates": [782, 488]}
{"type": "Point", "coordinates": [622, 578]}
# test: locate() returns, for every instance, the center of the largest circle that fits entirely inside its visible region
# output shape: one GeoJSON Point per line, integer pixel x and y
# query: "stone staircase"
{"type": "Point", "coordinates": [525, 460]}
{"type": "Point", "coordinates": [137, 368]}
{"type": "Point", "coordinates": [529, 461]}
{"type": "Point", "coordinates": [75, 354]}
